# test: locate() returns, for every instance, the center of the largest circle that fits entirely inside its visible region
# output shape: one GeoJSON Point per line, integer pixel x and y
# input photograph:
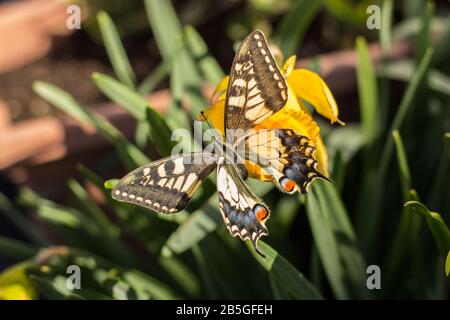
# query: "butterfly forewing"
{"type": "Point", "coordinates": [244, 213]}
{"type": "Point", "coordinates": [166, 185]}
{"type": "Point", "coordinates": [256, 88]}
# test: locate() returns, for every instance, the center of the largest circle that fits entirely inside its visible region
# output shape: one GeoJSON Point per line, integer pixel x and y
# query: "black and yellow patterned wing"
{"type": "Point", "coordinates": [256, 88]}
{"type": "Point", "coordinates": [244, 213]}
{"type": "Point", "coordinates": [286, 155]}
{"type": "Point", "coordinates": [166, 185]}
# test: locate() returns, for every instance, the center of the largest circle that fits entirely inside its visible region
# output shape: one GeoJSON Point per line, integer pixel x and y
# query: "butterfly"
{"type": "Point", "coordinates": [256, 90]}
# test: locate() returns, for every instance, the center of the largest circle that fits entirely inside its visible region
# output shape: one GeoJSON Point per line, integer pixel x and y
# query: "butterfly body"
{"type": "Point", "coordinates": [256, 90]}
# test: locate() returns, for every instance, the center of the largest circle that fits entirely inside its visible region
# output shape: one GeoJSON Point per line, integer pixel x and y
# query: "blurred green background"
{"type": "Point", "coordinates": [388, 204]}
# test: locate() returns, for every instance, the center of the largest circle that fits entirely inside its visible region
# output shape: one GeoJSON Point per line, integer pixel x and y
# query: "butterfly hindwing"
{"type": "Point", "coordinates": [244, 213]}
{"type": "Point", "coordinates": [166, 185]}
{"type": "Point", "coordinates": [286, 155]}
{"type": "Point", "coordinates": [256, 88]}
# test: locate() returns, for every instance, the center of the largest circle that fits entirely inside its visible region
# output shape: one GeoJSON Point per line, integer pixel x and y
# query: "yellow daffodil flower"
{"type": "Point", "coordinates": [16, 285]}
{"type": "Point", "coordinates": [302, 84]}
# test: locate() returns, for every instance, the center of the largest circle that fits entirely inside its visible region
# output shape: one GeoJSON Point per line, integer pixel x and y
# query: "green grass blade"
{"type": "Point", "coordinates": [285, 274]}
{"type": "Point", "coordinates": [96, 214]}
{"type": "Point", "coordinates": [209, 67]}
{"type": "Point", "coordinates": [115, 50]}
{"type": "Point", "coordinates": [15, 250]}
{"type": "Point", "coordinates": [368, 93]}
{"type": "Point", "coordinates": [405, 174]}
{"type": "Point", "coordinates": [368, 218]}
{"type": "Point", "coordinates": [442, 172]}
{"type": "Point", "coordinates": [57, 215]}
{"type": "Point", "coordinates": [294, 24]}
{"type": "Point", "coordinates": [202, 222]}
{"type": "Point", "coordinates": [153, 79]}
{"type": "Point", "coordinates": [403, 70]}
{"type": "Point", "coordinates": [345, 237]}
{"type": "Point", "coordinates": [423, 38]}
{"type": "Point", "coordinates": [165, 25]}
{"type": "Point", "coordinates": [327, 245]}
{"type": "Point", "coordinates": [23, 224]}
{"type": "Point", "coordinates": [138, 107]}
{"type": "Point", "coordinates": [194, 229]}
{"type": "Point", "coordinates": [442, 48]}
{"type": "Point", "coordinates": [134, 103]}
{"type": "Point", "coordinates": [405, 105]}
{"type": "Point", "coordinates": [447, 264]}
{"type": "Point", "coordinates": [436, 225]}
{"type": "Point", "coordinates": [128, 152]}
{"type": "Point", "coordinates": [386, 23]}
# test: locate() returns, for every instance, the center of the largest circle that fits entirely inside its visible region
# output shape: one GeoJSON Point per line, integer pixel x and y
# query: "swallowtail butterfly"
{"type": "Point", "coordinates": [256, 90]}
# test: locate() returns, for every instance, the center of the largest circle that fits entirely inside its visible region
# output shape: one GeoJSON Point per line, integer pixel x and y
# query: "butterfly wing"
{"type": "Point", "coordinates": [244, 213]}
{"type": "Point", "coordinates": [166, 185]}
{"type": "Point", "coordinates": [286, 155]}
{"type": "Point", "coordinates": [256, 88]}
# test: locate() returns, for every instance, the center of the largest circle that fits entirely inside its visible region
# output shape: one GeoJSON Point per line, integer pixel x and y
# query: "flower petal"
{"type": "Point", "coordinates": [15, 284]}
{"type": "Point", "coordinates": [292, 116]}
{"type": "Point", "coordinates": [219, 91]}
{"type": "Point", "coordinates": [289, 65]}
{"type": "Point", "coordinates": [321, 157]}
{"type": "Point", "coordinates": [215, 115]}
{"type": "Point", "coordinates": [309, 86]}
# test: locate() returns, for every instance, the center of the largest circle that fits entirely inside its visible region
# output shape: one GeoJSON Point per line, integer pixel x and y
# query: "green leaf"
{"type": "Point", "coordinates": [442, 171]}
{"type": "Point", "coordinates": [56, 289]}
{"type": "Point", "coordinates": [403, 70]}
{"type": "Point", "coordinates": [350, 12]}
{"type": "Point", "coordinates": [16, 250]}
{"type": "Point", "coordinates": [447, 264]}
{"type": "Point", "coordinates": [160, 132]}
{"type": "Point", "coordinates": [88, 206]}
{"type": "Point", "coordinates": [423, 38]}
{"type": "Point", "coordinates": [405, 105]}
{"type": "Point", "coordinates": [145, 283]}
{"type": "Point", "coordinates": [128, 152]}
{"type": "Point", "coordinates": [327, 245]}
{"type": "Point", "coordinates": [56, 214]}
{"type": "Point", "coordinates": [344, 236]}
{"type": "Point", "coordinates": [442, 47]}
{"type": "Point", "coordinates": [115, 50]}
{"type": "Point", "coordinates": [134, 103]}
{"type": "Point", "coordinates": [294, 24]}
{"type": "Point", "coordinates": [435, 223]}
{"type": "Point", "coordinates": [368, 92]}
{"type": "Point", "coordinates": [195, 228]}
{"type": "Point", "coordinates": [138, 107]}
{"type": "Point", "coordinates": [385, 30]}
{"type": "Point", "coordinates": [165, 25]}
{"type": "Point", "coordinates": [153, 79]}
{"type": "Point", "coordinates": [110, 184]}
{"type": "Point", "coordinates": [405, 175]}
{"type": "Point", "coordinates": [209, 67]}
{"type": "Point", "coordinates": [284, 273]}
{"type": "Point", "coordinates": [368, 218]}
{"type": "Point", "coordinates": [407, 232]}
{"type": "Point", "coordinates": [26, 226]}
{"type": "Point", "coordinates": [202, 222]}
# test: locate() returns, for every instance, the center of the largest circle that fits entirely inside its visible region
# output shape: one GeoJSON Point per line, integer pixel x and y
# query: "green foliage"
{"type": "Point", "coordinates": [370, 214]}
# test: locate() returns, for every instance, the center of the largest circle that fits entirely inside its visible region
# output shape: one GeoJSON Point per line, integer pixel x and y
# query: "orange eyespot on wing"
{"type": "Point", "coordinates": [261, 212]}
{"type": "Point", "coordinates": [287, 184]}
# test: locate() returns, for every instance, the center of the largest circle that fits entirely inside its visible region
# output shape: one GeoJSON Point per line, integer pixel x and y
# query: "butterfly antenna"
{"type": "Point", "coordinates": [209, 124]}
{"type": "Point", "coordinates": [204, 118]}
